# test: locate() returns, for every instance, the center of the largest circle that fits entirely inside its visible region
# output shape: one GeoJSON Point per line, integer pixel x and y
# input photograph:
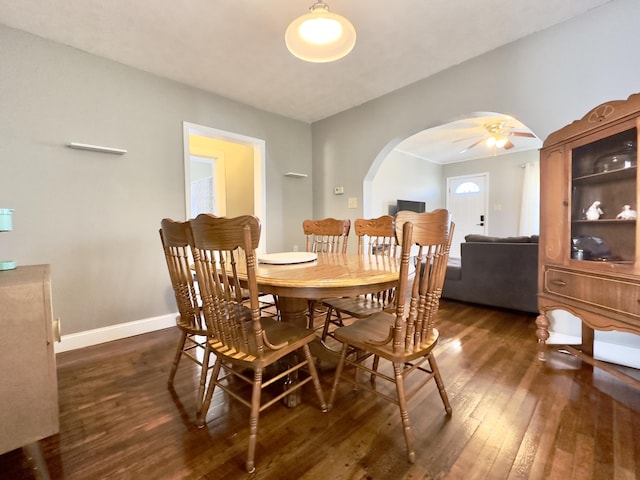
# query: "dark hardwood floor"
{"type": "Point", "coordinates": [513, 417]}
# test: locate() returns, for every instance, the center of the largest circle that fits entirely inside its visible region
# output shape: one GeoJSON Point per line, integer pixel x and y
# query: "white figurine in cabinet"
{"type": "Point", "coordinates": [627, 213]}
{"type": "Point", "coordinates": [594, 211]}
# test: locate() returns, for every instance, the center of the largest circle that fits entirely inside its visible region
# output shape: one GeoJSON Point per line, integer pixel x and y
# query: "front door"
{"type": "Point", "coordinates": [467, 203]}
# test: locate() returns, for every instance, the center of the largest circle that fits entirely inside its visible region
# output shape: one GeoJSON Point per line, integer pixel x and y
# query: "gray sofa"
{"type": "Point", "coordinates": [498, 272]}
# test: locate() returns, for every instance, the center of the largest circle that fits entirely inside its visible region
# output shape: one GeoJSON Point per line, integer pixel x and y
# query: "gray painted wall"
{"type": "Point", "coordinates": [405, 177]}
{"type": "Point", "coordinates": [95, 217]}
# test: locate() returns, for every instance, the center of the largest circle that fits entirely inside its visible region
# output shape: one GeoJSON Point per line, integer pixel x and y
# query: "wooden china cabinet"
{"type": "Point", "coordinates": [589, 237]}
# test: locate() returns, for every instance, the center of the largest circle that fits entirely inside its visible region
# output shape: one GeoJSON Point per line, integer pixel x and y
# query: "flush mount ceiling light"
{"type": "Point", "coordinates": [320, 36]}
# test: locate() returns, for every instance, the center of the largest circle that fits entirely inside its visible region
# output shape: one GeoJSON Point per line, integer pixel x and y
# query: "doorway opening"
{"type": "Point", "coordinates": [418, 166]}
{"type": "Point", "coordinates": [224, 174]}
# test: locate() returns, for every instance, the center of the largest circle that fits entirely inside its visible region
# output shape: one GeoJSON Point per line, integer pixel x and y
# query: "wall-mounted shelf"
{"type": "Point", "coordinates": [296, 175]}
{"type": "Point", "coordinates": [97, 148]}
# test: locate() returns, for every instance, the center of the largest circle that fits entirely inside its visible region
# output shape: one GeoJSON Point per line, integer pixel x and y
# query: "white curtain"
{"type": "Point", "coordinates": [530, 209]}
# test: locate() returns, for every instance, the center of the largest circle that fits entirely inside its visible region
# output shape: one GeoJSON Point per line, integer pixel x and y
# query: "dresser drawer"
{"type": "Point", "coordinates": [613, 294]}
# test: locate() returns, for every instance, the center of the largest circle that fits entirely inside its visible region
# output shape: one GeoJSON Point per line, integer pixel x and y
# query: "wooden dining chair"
{"type": "Point", "coordinates": [406, 337]}
{"type": "Point", "coordinates": [328, 235]}
{"type": "Point", "coordinates": [376, 237]}
{"type": "Point", "coordinates": [241, 339]}
{"type": "Point", "coordinates": [194, 332]}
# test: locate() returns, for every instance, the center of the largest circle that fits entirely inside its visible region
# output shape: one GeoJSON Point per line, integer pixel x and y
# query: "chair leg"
{"type": "Point", "coordinates": [374, 367]}
{"type": "Point", "coordinates": [253, 420]}
{"type": "Point", "coordinates": [314, 376]}
{"type": "Point", "coordinates": [276, 302]}
{"type": "Point", "coordinates": [203, 376]}
{"type": "Point", "coordinates": [202, 413]}
{"type": "Point", "coordinates": [312, 308]}
{"type": "Point", "coordinates": [177, 357]}
{"type": "Point", "coordinates": [336, 378]}
{"type": "Point", "coordinates": [439, 383]}
{"type": "Point", "coordinates": [327, 321]}
{"type": "Point", "coordinates": [404, 414]}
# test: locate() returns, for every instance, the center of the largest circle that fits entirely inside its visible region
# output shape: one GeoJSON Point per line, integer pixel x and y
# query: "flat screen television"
{"type": "Point", "coordinates": [411, 205]}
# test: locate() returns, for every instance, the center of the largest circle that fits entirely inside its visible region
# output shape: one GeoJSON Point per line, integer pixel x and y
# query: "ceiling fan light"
{"type": "Point", "coordinates": [501, 142]}
{"type": "Point", "coordinates": [491, 141]}
{"type": "Point", "coordinates": [320, 36]}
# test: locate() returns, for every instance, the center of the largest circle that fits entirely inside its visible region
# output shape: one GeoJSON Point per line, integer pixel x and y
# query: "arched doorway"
{"type": "Point", "coordinates": [417, 168]}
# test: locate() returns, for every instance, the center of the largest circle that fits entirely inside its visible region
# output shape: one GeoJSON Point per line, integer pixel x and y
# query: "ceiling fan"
{"type": "Point", "coordinates": [497, 136]}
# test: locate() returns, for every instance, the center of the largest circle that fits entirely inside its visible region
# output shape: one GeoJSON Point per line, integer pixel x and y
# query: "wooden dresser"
{"type": "Point", "coordinates": [589, 240]}
{"type": "Point", "coordinates": [28, 383]}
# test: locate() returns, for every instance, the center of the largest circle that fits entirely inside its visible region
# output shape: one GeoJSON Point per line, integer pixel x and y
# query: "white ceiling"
{"type": "Point", "coordinates": [236, 48]}
{"type": "Point", "coordinates": [463, 140]}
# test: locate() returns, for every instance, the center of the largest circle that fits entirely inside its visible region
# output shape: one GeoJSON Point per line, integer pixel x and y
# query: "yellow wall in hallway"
{"type": "Point", "coordinates": [239, 175]}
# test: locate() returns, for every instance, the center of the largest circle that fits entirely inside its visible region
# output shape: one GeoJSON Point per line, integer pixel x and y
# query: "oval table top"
{"type": "Point", "coordinates": [331, 275]}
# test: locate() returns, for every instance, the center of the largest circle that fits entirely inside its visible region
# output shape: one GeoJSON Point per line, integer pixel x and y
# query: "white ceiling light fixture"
{"type": "Point", "coordinates": [320, 36]}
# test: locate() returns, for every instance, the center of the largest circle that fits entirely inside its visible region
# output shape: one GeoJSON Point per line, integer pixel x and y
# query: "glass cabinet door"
{"type": "Point", "coordinates": [603, 199]}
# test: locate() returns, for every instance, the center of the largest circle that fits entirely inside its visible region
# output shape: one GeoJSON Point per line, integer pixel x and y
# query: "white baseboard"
{"type": "Point", "coordinates": [619, 354]}
{"type": "Point", "coordinates": [605, 351]}
{"type": "Point", "coordinates": [556, 338]}
{"type": "Point", "coordinates": [88, 338]}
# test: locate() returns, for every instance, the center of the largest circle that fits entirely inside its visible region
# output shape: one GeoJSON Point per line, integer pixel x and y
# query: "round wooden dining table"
{"type": "Point", "coordinates": [330, 275]}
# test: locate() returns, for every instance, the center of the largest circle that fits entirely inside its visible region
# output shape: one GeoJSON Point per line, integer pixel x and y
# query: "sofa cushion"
{"type": "Point", "coordinates": [485, 238]}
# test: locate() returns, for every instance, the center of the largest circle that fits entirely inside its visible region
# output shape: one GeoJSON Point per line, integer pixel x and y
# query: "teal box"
{"type": "Point", "coordinates": [6, 217]}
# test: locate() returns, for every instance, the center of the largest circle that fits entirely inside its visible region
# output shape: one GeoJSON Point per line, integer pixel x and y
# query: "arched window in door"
{"type": "Point", "coordinates": [467, 187]}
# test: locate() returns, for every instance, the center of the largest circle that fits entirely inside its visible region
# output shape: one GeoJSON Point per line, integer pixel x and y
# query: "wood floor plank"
{"type": "Point", "coordinates": [512, 425]}
{"type": "Point", "coordinates": [535, 454]}
{"type": "Point", "coordinates": [489, 440]}
{"type": "Point", "coordinates": [584, 430]}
